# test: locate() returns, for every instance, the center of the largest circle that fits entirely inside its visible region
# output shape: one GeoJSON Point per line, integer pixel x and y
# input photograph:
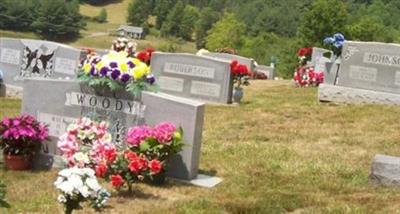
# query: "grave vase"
{"type": "Point", "coordinates": [17, 162]}
{"type": "Point", "coordinates": [237, 94]}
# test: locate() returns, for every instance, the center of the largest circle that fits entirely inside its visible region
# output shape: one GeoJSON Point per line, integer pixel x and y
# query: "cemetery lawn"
{"type": "Point", "coordinates": [280, 151]}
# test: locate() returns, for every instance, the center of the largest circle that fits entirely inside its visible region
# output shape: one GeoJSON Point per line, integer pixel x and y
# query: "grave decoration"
{"type": "Point", "coordinates": [21, 138]}
{"type": "Point", "coordinates": [241, 76]}
{"type": "Point", "coordinates": [305, 75]}
{"type": "Point", "coordinates": [77, 185]}
{"type": "Point", "coordinates": [332, 70]}
{"type": "Point", "coordinates": [143, 158]}
{"type": "Point", "coordinates": [336, 43]}
{"type": "Point", "coordinates": [117, 71]}
{"type": "Point", "coordinates": [124, 45]}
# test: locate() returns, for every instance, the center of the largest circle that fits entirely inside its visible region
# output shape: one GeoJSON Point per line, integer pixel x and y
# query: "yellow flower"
{"type": "Point", "coordinates": [99, 65]}
{"type": "Point", "coordinates": [123, 67]}
{"type": "Point", "coordinates": [139, 71]}
{"type": "Point", "coordinates": [87, 67]}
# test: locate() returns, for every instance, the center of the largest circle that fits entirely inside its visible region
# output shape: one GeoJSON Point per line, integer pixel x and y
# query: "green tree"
{"type": "Point", "coordinates": [102, 17]}
{"type": "Point", "coordinates": [322, 19]}
{"type": "Point", "coordinates": [139, 11]}
{"type": "Point", "coordinates": [227, 32]}
{"type": "Point", "coordinates": [162, 8]}
{"type": "Point", "coordinates": [18, 15]}
{"type": "Point", "coordinates": [171, 26]}
{"type": "Point", "coordinates": [189, 18]}
{"type": "Point", "coordinates": [58, 19]}
{"type": "Point", "coordinates": [205, 22]}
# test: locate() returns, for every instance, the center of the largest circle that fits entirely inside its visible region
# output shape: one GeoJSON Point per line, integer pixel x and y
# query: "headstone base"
{"type": "Point", "coordinates": [385, 170]}
{"type": "Point", "coordinates": [13, 91]}
{"type": "Point", "coordinates": [201, 180]}
{"type": "Point", "coordinates": [340, 94]}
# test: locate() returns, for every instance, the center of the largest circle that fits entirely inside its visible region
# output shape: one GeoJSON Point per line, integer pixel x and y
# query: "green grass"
{"type": "Point", "coordinates": [279, 151]}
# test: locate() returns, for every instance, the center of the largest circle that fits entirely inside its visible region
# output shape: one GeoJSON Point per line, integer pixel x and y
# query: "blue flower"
{"type": "Point", "coordinates": [337, 40]}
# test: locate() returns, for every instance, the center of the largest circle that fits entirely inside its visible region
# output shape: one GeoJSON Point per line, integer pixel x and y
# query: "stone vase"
{"type": "Point", "coordinates": [237, 94]}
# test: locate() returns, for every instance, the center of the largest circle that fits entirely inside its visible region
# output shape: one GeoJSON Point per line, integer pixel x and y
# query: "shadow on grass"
{"type": "Point", "coordinates": [135, 193]}
{"type": "Point", "coordinates": [209, 172]}
{"type": "Point", "coordinates": [105, 3]}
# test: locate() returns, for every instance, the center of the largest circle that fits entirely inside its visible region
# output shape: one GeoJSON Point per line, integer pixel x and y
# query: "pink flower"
{"type": "Point", "coordinates": [155, 166]}
{"type": "Point", "coordinates": [137, 134]}
{"type": "Point", "coordinates": [164, 131]}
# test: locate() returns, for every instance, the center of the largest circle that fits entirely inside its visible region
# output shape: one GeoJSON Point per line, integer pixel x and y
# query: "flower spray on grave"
{"type": "Point", "coordinates": [336, 43]}
{"type": "Point", "coordinates": [241, 76]}
{"type": "Point", "coordinates": [77, 185]}
{"type": "Point", "coordinates": [118, 70]}
{"type": "Point", "coordinates": [21, 137]}
{"type": "Point", "coordinates": [305, 75]}
{"type": "Point", "coordinates": [87, 143]}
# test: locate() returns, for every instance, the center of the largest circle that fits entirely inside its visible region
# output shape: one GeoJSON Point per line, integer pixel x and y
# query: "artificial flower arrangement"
{"type": "Point", "coordinates": [306, 76]}
{"type": "Point", "coordinates": [336, 43]}
{"type": "Point", "coordinates": [117, 70]}
{"type": "Point", "coordinates": [78, 185]}
{"type": "Point", "coordinates": [22, 135]}
{"type": "Point", "coordinates": [304, 55]}
{"type": "Point", "coordinates": [88, 144]}
{"type": "Point", "coordinates": [241, 74]}
{"type": "Point", "coordinates": [124, 45]}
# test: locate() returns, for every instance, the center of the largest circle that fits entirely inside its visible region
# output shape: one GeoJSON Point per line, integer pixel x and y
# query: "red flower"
{"type": "Point", "coordinates": [117, 181]}
{"type": "Point", "coordinates": [101, 170]}
{"type": "Point", "coordinates": [234, 63]}
{"type": "Point", "coordinates": [110, 155]}
{"type": "Point", "coordinates": [155, 166]}
{"type": "Point", "coordinates": [304, 52]}
{"type": "Point", "coordinates": [138, 164]}
{"type": "Point", "coordinates": [130, 155]}
{"type": "Point", "coordinates": [143, 56]}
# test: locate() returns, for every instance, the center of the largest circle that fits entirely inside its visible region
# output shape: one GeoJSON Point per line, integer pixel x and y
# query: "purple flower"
{"type": "Point", "coordinates": [125, 78]}
{"type": "Point", "coordinates": [104, 71]}
{"type": "Point", "coordinates": [96, 60]}
{"type": "Point", "coordinates": [113, 64]}
{"type": "Point", "coordinates": [131, 64]}
{"type": "Point", "coordinates": [115, 74]}
{"type": "Point", "coordinates": [150, 79]}
{"type": "Point", "coordinates": [93, 71]}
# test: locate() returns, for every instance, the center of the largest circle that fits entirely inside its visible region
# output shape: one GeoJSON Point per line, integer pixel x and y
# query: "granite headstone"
{"type": "Point", "coordinates": [369, 73]}
{"type": "Point", "coordinates": [266, 70]}
{"type": "Point", "coordinates": [70, 100]}
{"type": "Point", "coordinates": [230, 57]}
{"type": "Point", "coordinates": [24, 58]}
{"type": "Point", "coordinates": [195, 77]}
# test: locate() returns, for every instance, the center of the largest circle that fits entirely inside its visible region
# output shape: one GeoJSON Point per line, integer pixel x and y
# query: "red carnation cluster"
{"type": "Point", "coordinates": [137, 166]}
{"type": "Point", "coordinates": [145, 56]}
{"type": "Point", "coordinates": [304, 52]}
{"type": "Point", "coordinates": [239, 69]}
{"type": "Point", "coordinates": [306, 76]}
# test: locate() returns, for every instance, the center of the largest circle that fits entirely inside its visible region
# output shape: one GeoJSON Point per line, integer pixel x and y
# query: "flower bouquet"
{"type": "Point", "coordinates": [336, 43]}
{"type": "Point", "coordinates": [20, 138]}
{"type": "Point", "coordinates": [306, 76]}
{"type": "Point", "coordinates": [86, 142]}
{"type": "Point", "coordinates": [241, 76]}
{"type": "Point", "coordinates": [304, 55]}
{"type": "Point", "coordinates": [117, 71]}
{"type": "Point", "coordinates": [78, 185]}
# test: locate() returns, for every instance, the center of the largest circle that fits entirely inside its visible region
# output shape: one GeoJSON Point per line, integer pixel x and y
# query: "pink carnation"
{"type": "Point", "coordinates": [163, 132]}
{"type": "Point", "coordinates": [137, 134]}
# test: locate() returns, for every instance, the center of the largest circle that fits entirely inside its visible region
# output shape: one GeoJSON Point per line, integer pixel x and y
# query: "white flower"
{"type": "Point", "coordinates": [84, 191]}
{"type": "Point", "coordinates": [65, 173]}
{"type": "Point", "coordinates": [66, 187]}
{"type": "Point", "coordinates": [76, 181]}
{"type": "Point", "coordinates": [61, 199]}
{"type": "Point", "coordinates": [93, 184]}
{"type": "Point", "coordinates": [58, 181]}
{"type": "Point", "coordinates": [81, 157]}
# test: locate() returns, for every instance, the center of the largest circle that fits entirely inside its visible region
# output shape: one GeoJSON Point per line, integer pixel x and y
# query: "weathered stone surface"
{"type": "Point", "coordinates": [330, 73]}
{"type": "Point", "coordinates": [385, 170]}
{"type": "Point", "coordinates": [340, 94]}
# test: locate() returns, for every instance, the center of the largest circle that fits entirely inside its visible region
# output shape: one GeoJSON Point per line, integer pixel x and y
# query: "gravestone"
{"type": "Point", "coordinates": [24, 58]}
{"type": "Point", "coordinates": [70, 100]}
{"type": "Point", "coordinates": [369, 73]}
{"type": "Point", "coordinates": [230, 57]}
{"type": "Point", "coordinates": [266, 70]}
{"type": "Point", "coordinates": [385, 170]}
{"type": "Point", "coordinates": [195, 77]}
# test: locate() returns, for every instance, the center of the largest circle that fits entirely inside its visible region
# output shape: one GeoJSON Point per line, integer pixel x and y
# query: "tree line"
{"type": "Point", "coordinates": [269, 30]}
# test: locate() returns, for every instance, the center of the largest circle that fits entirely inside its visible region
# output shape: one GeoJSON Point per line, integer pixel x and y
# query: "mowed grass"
{"type": "Point", "coordinates": [279, 151]}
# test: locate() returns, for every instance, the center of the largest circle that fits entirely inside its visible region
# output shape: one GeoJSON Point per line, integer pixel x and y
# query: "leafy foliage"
{"type": "Point", "coordinates": [3, 202]}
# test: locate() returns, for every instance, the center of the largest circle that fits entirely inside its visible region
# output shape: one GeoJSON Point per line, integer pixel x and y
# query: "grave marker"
{"type": "Point", "coordinates": [70, 100]}
{"type": "Point", "coordinates": [194, 77]}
